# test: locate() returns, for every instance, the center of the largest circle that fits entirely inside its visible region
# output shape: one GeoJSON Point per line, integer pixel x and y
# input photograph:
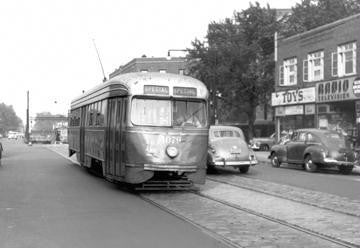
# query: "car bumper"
{"type": "Point", "coordinates": [225, 163]}
{"type": "Point", "coordinates": [334, 162]}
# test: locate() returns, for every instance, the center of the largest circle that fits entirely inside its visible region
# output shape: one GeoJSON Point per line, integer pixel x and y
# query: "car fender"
{"type": "Point", "coordinates": [280, 151]}
{"type": "Point", "coordinates": [316, 153]}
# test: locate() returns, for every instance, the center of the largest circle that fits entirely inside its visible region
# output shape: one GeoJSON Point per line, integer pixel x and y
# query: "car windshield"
{"type": "Point", "coordinates": [180, 113]}
{"type": "Point", "coordinates": [335, 139]}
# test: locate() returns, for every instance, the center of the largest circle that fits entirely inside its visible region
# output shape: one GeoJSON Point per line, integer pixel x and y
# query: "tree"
{"type": "Point", "coordinates": [9, 121]}
{"type": "Point", "coordinates": [310, 14]}
{"type": "Point", "coordinates": [237, 59]}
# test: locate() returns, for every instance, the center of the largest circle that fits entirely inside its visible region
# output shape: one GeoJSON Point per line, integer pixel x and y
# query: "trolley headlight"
{"type": "Point", "coordinates": [172, 151]}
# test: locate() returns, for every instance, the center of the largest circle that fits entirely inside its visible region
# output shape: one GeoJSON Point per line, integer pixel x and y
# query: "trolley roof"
{"type": "Point", "coordinates": [152, 84]}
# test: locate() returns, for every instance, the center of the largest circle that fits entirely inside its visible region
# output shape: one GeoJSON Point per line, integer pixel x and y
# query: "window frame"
{"type": "Point", "coordinates": [339, 59]}
{"type": "Point", "coordinates": [311, 68]}
{"type": "Point", "coordinates": [286, 73]}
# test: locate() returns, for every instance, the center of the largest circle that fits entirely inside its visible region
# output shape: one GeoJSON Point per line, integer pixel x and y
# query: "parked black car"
{"type": "Point", "coordinates": [313, 148]}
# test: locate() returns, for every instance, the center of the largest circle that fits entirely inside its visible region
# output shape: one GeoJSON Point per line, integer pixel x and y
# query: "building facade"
{"type": "Point", "coordinates": [317, 81]}
{"type": "Point", "coordinates": [176, 65]}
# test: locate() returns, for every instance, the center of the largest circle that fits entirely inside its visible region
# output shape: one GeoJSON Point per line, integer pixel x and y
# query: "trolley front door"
{"type": "Point", "coordinates": [116, 115]}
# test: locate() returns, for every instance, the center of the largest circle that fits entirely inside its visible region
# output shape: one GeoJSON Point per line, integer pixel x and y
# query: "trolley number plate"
{"type": "Point", "coordinates": [173, 139]}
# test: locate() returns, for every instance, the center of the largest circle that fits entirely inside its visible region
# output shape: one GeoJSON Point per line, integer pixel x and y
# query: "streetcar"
{"type": "Point", "coordinates": [149, 130]}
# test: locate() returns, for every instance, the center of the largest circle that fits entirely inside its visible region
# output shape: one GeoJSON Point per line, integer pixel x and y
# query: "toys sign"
{"type": "Point", "coordinates": [290, 97]}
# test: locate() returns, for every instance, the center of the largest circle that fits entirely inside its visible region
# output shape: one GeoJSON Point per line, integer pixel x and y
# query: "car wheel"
{"type": "Point", "coordinates": [345, 169]}
{"type": "Point", "coordinates": [310, 166]}
{"type": "Point", "coordinates": [275, 160]}
{"type": "Point", "coordinates": [244, 169]}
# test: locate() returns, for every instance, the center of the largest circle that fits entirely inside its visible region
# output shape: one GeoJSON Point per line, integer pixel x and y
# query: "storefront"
{"type": "Point", "coordinates": [338, 105]}
{"type": "Point", "coordinates": [294, 109]}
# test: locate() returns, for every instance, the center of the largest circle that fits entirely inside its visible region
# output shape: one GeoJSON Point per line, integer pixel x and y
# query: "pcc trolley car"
{"type": "Point", "coordinates": [147, 129]}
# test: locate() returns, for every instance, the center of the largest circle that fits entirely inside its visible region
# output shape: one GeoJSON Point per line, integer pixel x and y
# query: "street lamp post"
{"type": "Point", "coordinates": [27, 135]}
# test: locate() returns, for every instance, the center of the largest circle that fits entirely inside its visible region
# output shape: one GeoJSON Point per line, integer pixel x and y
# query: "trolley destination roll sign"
{"type": "Point", "coordinates": [164, 90]}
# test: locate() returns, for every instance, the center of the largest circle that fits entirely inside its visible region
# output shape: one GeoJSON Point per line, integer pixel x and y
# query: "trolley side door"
{"type": "Point", "coordinates": [82, 134]}
{"type": "Point", "coordinates": [110, 165]}
{"type": "Point", "coordinates": [119, 165]}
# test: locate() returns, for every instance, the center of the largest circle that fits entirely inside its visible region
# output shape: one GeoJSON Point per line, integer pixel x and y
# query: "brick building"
{"type": "Point", "coordinates": [176, 65]}
{"type": "Point", "coordinates": [317, 81]}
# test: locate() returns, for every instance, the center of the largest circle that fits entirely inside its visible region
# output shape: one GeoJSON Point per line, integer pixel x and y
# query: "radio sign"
{"type": "Point", "coordinates": [184, 91]}
{"type": "Point", "coordinates": [156, 90]}
{"type": "Point", "coordinates": [338, 90]}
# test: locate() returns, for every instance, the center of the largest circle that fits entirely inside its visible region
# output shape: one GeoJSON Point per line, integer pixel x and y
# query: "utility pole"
{"type": "Point", "coordinates": [27, 134]}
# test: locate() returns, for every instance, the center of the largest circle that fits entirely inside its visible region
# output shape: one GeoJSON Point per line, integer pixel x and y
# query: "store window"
{"type": "Point", "coordinates": [313, 67]}
{"type": "Point", "coordinates": [344, 60]}
{"type": "Point", "coordinates": [288, 72]}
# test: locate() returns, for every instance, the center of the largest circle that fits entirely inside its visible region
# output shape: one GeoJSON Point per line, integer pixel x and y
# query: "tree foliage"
{"type": "Point", "coordinates": [310, 14]}
{"type": "Point", "coordinates": [237, 60]}
{"type": "Point", "coordinates": [9, 121]}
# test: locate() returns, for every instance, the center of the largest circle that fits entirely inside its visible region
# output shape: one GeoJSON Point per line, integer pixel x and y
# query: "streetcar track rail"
{"type": "Point", "coordinates": [322, 236]}
{"type": "Point", "coordinates": [282, 196]}
{"type": "Point", "coordinates": [232, 244]}
{"type": "Point", "coordinates": [207, 231]}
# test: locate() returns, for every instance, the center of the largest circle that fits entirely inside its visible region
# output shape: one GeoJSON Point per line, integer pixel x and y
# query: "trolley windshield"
{"type": "Point", "coordinates": [178, 113]}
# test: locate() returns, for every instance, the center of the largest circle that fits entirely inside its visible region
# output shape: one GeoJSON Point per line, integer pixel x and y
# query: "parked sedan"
{"type": "Point", "coordinates": [227, 147]}
{"type": "Point", "coordinates": [263, 143]}
{"type": "Point", "coordinates": [313, 148]}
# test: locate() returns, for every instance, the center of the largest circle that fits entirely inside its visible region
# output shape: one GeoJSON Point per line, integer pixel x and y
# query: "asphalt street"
{"type": "Point", "coordinates": [46, 201]}
{"type": "Point", "coordinates": [325, 180]}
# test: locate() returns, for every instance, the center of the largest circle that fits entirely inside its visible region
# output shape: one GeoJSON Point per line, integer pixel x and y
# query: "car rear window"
{"type": "Point", "coordinates": [226, 133]}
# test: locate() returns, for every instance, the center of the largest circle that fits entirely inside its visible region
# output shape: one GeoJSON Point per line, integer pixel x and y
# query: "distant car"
{"type": "Point", "coordinates": [227, 147]}
{"type": "Point", "coordinates": [263, 143]}
{"type": "Point", "coordinates": [313, 148]}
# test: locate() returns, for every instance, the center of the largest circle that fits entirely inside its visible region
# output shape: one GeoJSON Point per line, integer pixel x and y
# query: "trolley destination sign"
{"type": "Point", "coordinates": [156, 90]}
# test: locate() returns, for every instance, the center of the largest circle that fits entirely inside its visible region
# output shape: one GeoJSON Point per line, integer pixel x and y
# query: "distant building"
{"type": "Point", "coordinates": [176, 65]}
{"type": "Point", "coordinates": [317, 81]}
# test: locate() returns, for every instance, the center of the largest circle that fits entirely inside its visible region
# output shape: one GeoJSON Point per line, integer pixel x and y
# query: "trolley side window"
{"type": "Point", "coordinates": [151, 112]}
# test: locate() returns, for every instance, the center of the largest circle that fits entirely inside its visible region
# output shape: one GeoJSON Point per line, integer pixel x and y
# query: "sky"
{"type": "Point", "coordinates": [46, 46]}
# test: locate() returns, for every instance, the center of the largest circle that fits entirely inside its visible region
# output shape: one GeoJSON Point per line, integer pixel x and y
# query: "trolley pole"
{"type": "Point", "coordinates": [27, 135]}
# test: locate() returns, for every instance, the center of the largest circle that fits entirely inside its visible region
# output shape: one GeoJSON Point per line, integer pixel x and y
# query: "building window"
{"type": "Point", "coordinates": [313, 67]}
{"type": "Point", "coordinates": [288, 72]}
{"type": "Point", "coordinates": [181, 71]}
{"type": "Point", "coordinates": [162, 71]}
{"type": "Point", "coordinates": [144, 71]}
{"type": "Point", "coordinates": [344, 60]}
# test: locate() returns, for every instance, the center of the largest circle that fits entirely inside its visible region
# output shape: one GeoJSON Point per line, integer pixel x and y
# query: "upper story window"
{"type": "Point", "coordinates": [288, 72]}
{"type": "Point", "coordinates": [344, 60]}
{"type": "Point", "coordinates": [313, 67]}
